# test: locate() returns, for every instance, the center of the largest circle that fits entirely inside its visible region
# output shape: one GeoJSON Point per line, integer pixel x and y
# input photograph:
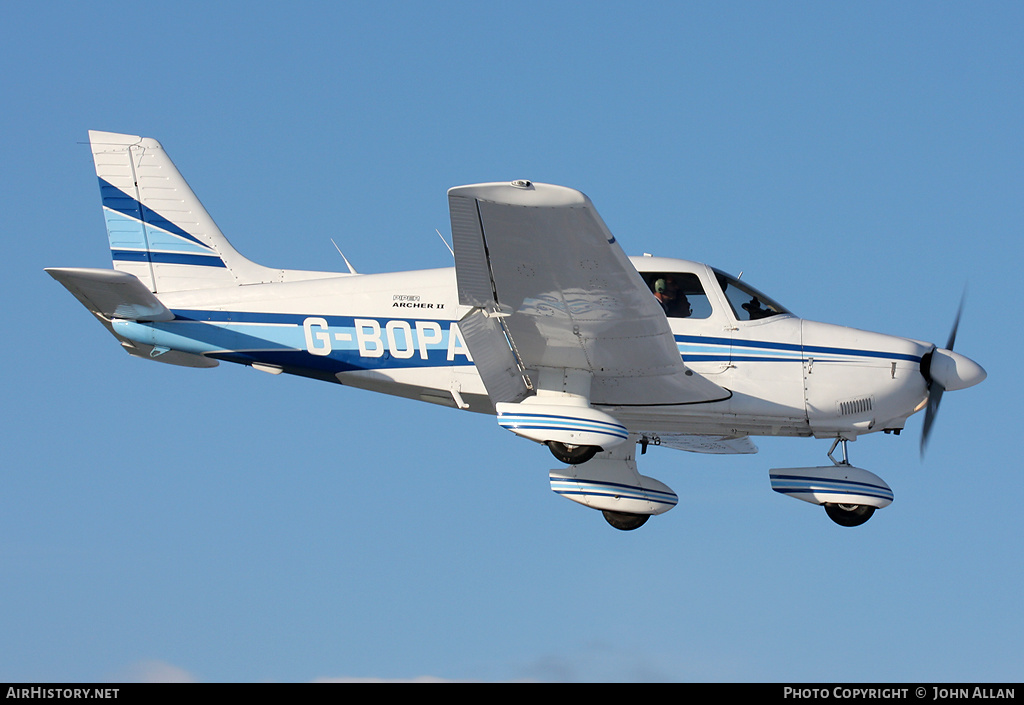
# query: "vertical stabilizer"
{"type": "Point", "coordinates": [158, 229]}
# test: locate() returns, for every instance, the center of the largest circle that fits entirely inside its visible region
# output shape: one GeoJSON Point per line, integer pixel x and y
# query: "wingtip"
{"type": "Point", "coordinates": [522, 193]}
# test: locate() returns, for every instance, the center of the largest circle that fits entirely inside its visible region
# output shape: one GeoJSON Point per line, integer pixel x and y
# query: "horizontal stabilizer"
{"type": "Point", "coordinates": [112, 294]}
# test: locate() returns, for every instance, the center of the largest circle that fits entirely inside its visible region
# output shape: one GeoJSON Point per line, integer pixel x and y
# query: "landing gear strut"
{"type": "Point", "coordinates": [846, 514]}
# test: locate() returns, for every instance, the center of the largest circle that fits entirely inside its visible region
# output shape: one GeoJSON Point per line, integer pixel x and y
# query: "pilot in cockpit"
{"type": "Point", "coordinates": [663, 294]}
{"type": "Point", "coordinates": [673, 302]}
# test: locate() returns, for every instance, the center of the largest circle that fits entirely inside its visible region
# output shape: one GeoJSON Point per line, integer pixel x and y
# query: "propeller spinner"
{"type": "Point", "coordinates": [945, 370]}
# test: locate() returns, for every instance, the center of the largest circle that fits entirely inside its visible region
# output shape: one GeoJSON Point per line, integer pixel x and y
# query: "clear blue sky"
{"type": "Point", "coordinates": [860, 162]}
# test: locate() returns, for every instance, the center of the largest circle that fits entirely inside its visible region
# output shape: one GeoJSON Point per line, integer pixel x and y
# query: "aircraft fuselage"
{"type": "Point", "coordinates": [398, 333]}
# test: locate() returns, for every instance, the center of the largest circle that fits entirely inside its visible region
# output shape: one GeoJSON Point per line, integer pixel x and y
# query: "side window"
{"type": "Point", "coordinates": [680, 294]}
{"type": "Point", "coordinates": [747, 303]}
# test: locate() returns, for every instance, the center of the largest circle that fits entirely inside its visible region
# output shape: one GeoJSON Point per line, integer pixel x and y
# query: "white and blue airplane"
{"type": "Point", "coordinates": [543, 322]}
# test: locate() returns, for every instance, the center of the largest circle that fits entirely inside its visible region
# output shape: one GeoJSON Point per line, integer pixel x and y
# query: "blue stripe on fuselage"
{"type": "Point", "coordinates": [736, 346]}
{"type": "Point", "coordinates": [302, 342]}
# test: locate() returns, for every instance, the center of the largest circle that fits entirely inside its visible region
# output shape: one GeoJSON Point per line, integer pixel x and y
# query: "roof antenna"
{"type": "Point", "coordinates": [347, 263]}
{"type": "Point", "coordinates": [444, 241]}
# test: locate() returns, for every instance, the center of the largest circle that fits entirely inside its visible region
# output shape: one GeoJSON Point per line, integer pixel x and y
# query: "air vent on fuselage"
{"type": "Point", "coordinates": [855, 406]}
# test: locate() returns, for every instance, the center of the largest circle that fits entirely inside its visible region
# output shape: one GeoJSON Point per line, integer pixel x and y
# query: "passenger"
{"type": "Point", "coordinates": [755, 311]}
{"type": "Point", "coordinates": [682, 308]}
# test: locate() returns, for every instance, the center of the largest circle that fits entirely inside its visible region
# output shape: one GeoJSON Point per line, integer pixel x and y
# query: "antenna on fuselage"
{"type": "Point", "coordinates": [444, 241]}
{"type": "Point", "coordinates": [348, 264]}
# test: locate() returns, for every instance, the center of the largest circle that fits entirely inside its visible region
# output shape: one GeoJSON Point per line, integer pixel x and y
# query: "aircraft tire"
{"type": "Point", "coordinates": [849, 514]}
{"type": "Point", "coordinates": [573, 455]}
{"type": "Point", "coordinates": [624, 521]}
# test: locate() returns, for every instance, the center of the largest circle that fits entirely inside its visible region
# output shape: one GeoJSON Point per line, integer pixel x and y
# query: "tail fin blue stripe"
{"type": "Point", "coordinates": [140, 234]}
{"type": "Point", "coordinates": [167, 258]}
{"type": "Point", "coordinates": [117, 200]}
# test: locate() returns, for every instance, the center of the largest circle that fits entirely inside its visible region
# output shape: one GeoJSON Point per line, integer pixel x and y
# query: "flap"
{"type": "Point", "coordinates": [715, 445]}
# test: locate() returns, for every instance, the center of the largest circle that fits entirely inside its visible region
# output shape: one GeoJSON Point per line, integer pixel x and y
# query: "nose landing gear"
{"type": "Point", "coordinates": [849, 495]}
{"type": "Point", "coordinates": [842, 513]}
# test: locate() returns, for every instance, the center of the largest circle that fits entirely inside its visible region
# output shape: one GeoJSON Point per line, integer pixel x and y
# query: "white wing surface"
{"type": "Point", "coordinates": [538, 262]}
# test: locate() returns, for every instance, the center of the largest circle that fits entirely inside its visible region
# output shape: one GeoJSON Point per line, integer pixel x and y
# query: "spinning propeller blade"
{"type": "Point", "coordinates": [935, 391]}
{"type": "Point", "coordinates": [944, 369]}
{"type": "Point", "coordinates": [956, 323]}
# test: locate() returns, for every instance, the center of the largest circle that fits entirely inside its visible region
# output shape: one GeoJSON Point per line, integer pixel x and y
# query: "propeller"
{"type": "Point", "coordinates": [944, 370]}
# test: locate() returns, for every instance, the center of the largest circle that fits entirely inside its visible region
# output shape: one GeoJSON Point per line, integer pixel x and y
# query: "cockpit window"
{"type": "Point", "coordinates": [680, 294]}
{"type": "Point", "coordinates": [747, 303]}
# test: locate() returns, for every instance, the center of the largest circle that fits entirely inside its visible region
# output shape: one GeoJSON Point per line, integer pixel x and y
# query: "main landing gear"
{"type": "Point", "coordinates": [577, 455]}
{"type": "Point", "coordinates": [573, 455]}
{"type": "Point", "coordinates": [609, 482]}
{"type": "Point", "coordinates": [623, 521]}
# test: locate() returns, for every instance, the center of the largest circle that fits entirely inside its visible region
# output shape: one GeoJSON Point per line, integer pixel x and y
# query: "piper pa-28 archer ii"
{"type": "Point", "coordinates": [543, 322]}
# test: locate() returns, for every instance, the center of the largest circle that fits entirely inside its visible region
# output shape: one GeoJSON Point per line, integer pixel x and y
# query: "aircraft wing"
{"type": "Point", "coordinates": [551, 288]}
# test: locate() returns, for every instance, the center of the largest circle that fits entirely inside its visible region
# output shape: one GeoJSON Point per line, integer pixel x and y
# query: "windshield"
{"type": "Point", "coordinates": [747, 303]}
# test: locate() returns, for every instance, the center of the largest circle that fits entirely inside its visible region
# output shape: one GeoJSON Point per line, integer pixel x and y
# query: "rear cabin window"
{"type": "Point", "coordinates": [681, 295]}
